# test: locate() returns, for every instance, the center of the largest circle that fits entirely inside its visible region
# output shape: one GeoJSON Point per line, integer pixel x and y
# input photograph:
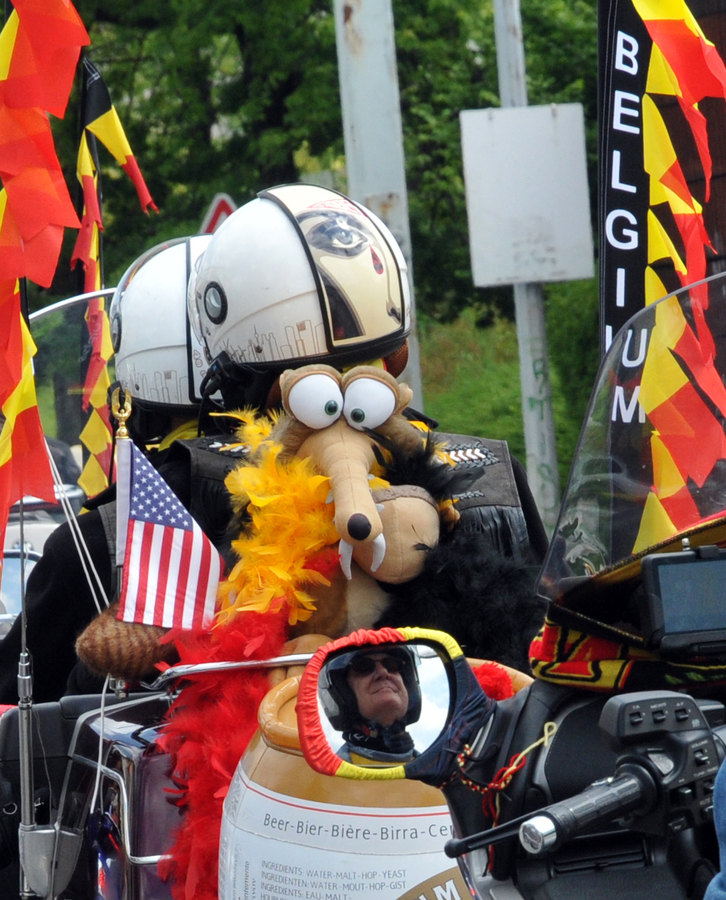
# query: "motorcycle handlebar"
{"type": "Point", "coordinates": [673, 748]}
{"type": "Point", "coordinates": [600, 802]}
{"type": "Point", "coordinates": [632, 787]}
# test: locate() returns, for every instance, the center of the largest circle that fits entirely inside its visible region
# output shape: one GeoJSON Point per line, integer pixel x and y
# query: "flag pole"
{"type": "Point", "coordinates": [25, 675]}
{"type": "Point", "coordinates": [25, 732]}
{"type": "Point", "coordinates": [48, 853]}
{"type": "Point", "coordinates": [122, 412]}
{"type": "Point", "coordinates": [25, 680]}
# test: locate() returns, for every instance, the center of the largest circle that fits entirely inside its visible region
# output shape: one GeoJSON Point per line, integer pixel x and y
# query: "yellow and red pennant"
{"type": "Point", "coordinates": [686, 66]}
{"type": "Point", "coordinates": [97, 434]}
{"type": "Point", "coordinates": [24, 466]}
{"type": "Point", "coordinates": [686, 411]}
{"type": "Point", "coordinates": [39, 49]}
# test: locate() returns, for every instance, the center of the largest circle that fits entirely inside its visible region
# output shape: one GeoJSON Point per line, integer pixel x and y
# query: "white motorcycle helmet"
{"type": "Point", "coordinates": [299, 275]}
{"type": "Point", "coordinates": [158, 359]}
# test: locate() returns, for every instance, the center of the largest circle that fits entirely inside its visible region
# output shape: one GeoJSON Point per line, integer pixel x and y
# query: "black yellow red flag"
{"type": "Point", "coordinates": [101, 119]}
{"type": "Point", "coordinates": [662, 217]}
{"type": "Point", "coordinates": [101, 123]}
{"type": "Point", "coordinates": [663, 227]}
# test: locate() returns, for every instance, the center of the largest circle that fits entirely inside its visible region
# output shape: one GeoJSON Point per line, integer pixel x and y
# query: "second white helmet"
{"type": "Point", "coordinates": [158, 359]}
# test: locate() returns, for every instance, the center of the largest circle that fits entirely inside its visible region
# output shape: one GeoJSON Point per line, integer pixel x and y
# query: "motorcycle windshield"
{"type": "Point", "coordinates": [650, 465]}
{"type": "Point", "coordinates": [73, 368]}
{"type": "Point", "coordinates": [72, 371]}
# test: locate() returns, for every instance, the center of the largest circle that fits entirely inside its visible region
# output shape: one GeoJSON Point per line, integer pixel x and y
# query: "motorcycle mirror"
{"type": "Point", "coordinates": [391, 703]}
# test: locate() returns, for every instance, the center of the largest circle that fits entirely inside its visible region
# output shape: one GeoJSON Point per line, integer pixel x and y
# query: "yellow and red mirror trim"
{"type": "Point", "coordinates": [312, 737]}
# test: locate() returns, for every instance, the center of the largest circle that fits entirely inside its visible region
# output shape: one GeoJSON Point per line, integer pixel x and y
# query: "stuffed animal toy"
{"type": "Point", "coordinates": [339, 505]}
{"type": "Point", "coordinates": [337, 511]}
{"type": "Point", "coordinates": [312, 512]}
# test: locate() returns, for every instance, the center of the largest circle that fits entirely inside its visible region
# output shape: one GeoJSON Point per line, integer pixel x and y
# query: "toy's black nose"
{"type": "Point", "coordinates": [359, 527]}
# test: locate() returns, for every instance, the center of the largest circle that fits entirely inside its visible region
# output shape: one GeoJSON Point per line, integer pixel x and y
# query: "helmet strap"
{"type": "Point", "coordinates": [241, 386]}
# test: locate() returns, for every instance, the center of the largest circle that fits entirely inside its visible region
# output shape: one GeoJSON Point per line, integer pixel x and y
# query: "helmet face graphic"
{"type": "Point", "coordinates": [301, 274]}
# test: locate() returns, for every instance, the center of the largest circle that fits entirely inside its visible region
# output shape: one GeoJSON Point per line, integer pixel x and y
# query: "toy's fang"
{"type": "Point", "coordinates": [346, 555]}
{"type": "Point", "coordinates": [379, 552]}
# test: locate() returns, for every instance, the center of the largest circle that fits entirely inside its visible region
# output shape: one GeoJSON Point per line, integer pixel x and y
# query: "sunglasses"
{"type": "Point", "coordinates": [365, 665]}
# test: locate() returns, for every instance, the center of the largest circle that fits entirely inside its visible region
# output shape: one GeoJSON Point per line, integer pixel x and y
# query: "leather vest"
{"type": "Point", "coordinates": [491, 502]}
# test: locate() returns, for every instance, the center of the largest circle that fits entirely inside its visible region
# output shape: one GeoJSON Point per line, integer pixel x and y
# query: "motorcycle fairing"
{"type": "Point", "coordinates": [648, 474]}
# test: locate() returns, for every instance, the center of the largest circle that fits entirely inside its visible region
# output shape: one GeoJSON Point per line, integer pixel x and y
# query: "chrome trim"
{"type": "Point", "coordinates": [181, 671]}
{"type": "Point", "coordinates": [125, 811]}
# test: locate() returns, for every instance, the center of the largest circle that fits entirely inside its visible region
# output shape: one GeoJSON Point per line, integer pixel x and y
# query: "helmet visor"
{"type": "Point", "coordinates": [355, 269]}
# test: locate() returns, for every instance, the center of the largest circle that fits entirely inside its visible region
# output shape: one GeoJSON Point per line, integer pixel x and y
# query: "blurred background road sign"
{"type": "Point", "coordinates": [221, 206]}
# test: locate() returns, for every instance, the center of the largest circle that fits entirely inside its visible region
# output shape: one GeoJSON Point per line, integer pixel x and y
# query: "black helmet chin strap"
{"type": "Point", "coordinates": [240, 385]}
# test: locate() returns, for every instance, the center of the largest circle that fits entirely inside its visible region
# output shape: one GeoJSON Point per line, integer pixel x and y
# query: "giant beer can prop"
{"type": "Point", "coordinates": [288, 831]}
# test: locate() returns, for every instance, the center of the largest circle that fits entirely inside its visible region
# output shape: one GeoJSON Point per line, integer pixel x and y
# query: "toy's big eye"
{"type": "Point", "coordinates": [368, 403]}
{"type": "Point", "coordinates": [315, 400]}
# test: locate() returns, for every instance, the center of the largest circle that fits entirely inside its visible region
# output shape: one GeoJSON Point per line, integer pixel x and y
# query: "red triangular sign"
{"type": "Point", "coordinates": [221, 206]}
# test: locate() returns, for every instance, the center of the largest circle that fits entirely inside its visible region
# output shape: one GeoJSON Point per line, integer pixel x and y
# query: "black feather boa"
{"type": "Point", "coordinates": [482, 599]}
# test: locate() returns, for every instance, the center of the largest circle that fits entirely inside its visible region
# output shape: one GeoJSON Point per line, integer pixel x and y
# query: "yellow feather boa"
{"type": "Point", "coordinates": [291, 525]}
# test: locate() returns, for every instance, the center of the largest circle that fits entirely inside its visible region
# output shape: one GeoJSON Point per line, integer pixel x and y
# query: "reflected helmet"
{"type": "Point", "coordinates": [301, 274]}
{"type": "Point", "coordinates": [158, 359]}
{"type": "Point", "coordinates": [338, 699]}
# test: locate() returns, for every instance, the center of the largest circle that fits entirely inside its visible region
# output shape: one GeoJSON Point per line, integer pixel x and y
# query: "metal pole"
{"type": "Point", "coordinates": [374, 157]}
{"type": "Point", "coordinates": [539, 431]}
{"type": "Point", "coordinates": [25, 676]}
{"type": "Point", "coordinates": [25, 717]}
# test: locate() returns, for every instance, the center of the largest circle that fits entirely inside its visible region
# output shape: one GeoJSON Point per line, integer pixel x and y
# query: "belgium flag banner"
{"type": "Point", "coordinates": [662, 151]}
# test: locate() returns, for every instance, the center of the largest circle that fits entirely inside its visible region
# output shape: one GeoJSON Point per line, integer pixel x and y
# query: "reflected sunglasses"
{"type": "Point", "coordinates": [364, 665]}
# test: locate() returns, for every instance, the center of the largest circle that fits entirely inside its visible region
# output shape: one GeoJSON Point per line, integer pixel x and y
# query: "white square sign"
{"type": "Point", "coordinates": [526, 194]}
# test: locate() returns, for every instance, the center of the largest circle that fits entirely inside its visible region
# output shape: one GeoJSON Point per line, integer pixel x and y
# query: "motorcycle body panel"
{"type": "Point", "coordinates": [117, 789]}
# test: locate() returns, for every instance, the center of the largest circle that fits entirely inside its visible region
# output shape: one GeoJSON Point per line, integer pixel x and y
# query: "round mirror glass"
{"type": "Point", "coordinates": [383, 704]}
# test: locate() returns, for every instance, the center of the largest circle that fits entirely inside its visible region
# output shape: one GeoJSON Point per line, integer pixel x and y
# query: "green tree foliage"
{"type": "Point", "coordinates": [574, 353]}
{"type": "Point", "coordinates": [213, 97]}
{"type": "Point", "coordinates": [447, 63]}
{"type": "Point", "coordinates": [223, 96]}
{"type": "Point", "coordinates": [228, 96]}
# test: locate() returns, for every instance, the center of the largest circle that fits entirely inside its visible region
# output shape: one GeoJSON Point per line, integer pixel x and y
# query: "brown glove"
{"type": "Point", "coordinates": [124, 650]}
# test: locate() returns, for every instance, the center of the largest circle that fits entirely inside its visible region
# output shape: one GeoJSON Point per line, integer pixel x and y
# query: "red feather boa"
{"type": "Point", "coordinates": [209, 727]}
{"type": "Point", "coordinates": [494, 679]}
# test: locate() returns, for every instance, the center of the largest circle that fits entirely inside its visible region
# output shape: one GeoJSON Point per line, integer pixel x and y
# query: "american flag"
{"type": "Point", "coordinates": [171, 569]}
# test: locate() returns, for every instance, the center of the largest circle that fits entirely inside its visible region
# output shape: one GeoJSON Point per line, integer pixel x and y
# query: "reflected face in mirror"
{"type": "Point", "coordinates": [371, 696]}
{"type": "Point", "coordinates": [376, 679]}
{"type": "Point", "coordinates": [446, 709]}
{"type": "Point", "coordinates": [375, 704]}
